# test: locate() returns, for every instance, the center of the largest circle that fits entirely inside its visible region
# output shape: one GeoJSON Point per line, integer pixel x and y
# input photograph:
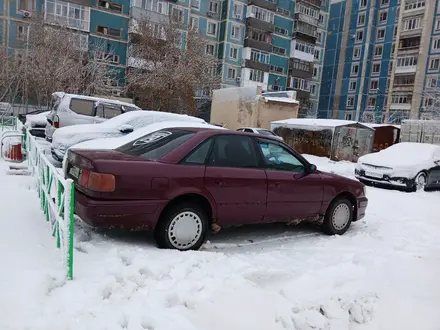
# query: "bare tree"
{"type": "Point", "coordinates": [432, 104]}
{"type": "Point", "coordinates": [169, 65]}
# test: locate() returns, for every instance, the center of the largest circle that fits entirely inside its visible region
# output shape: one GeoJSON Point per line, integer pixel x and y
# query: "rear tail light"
{"type": "Point", "coordinates": [101, 182]}
{"type": "Point", "coordinates": [56, 122]}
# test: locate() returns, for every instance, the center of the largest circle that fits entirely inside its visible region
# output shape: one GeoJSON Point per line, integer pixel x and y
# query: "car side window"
{"type": "Point", "coordinates": [82, 107]}
{"type": "Point", "coordinates": [248, 130]}
{"type": "Point", "coordinates": [276, 157]}
{"type": "Point", "coordinates": [198, 155]}
{"type": "Point", "coordinates": [233, 151]}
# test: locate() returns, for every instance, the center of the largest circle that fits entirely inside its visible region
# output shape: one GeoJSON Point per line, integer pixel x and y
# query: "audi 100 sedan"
{"type": "Point", "coordinates": [183, 182]}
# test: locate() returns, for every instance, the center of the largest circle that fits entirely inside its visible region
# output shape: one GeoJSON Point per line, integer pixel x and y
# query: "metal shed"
{"type": "Point", "coordinates": [332, 138]}
{"type": "Point", "coordinates": [385, 135]}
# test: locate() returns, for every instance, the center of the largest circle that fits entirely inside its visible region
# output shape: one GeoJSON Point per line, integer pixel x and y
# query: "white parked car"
{"type": "Point", "coordinates": [72, 109]}
{"type": "Point", "coordinates": [65, 137]}
{"type": "Point", "coordinates": [262, 131]}
{"type": "Point", "coordinates": [408, 165]}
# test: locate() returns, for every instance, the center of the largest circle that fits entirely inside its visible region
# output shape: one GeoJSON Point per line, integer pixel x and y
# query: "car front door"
{"type": "Point", "coordinates": [292, 192]}
{"type": "Point", "coordinates": [236, 183]}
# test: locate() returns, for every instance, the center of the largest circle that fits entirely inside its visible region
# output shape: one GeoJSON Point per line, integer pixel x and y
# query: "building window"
{"type": "Point", "coordinates": [317, 53]}
{"type": "Point", "coordinates": [263, 14]}
{"type": "Point", "coordinates": [315, 71]}
{"type": "Point", "coordinates": [412, 24]}
{"type": "Point", "coordinates": [378, 51]}
{"type": "Point", "coordinates": [110, 32]}
{"type": "Point", "coordinates": [359, 35]}
{"type": "Point", "coordinates": [281, 31]}
{"type": "Point", "coordinates": [385, 2]}
{"type": "Point", "coordinates": [212, 29]}
{"type": "Point", "coordinates": [195, 4]}
{"type": "Point", "coordinates": [232, 73]}
{"type": "Point", "coordinates": [107, 57]}
{"type": "Point", "coordinates": [407, 61]}
{"type": "Point", "coordinates": [376, 68]}
{"type": "Point", "coordinates": [313, 89]}
{"type": "Point", "coordinates": [354, 69]}
{"type": "Point", "coordinates": [434, 64]}
{"type": "Point", "coordinates": [26, 5]}
{"type": "Point", "coordinates": [177, 14]}
{"type": "Point", "coordinates": [381, 34]}
{"type": "Point", "coordinates": [22, 31]}
{"type": "Point", "coordinates": [432, 83]}
{"type": "Point", "coordinates": [116, 7]}
{"type": "Point", "coordinates": [68, 14]}
{"type": "Point", "coordinates": [348, 116]}
{"type": "Point", "coordinates": [214, 7]}
{"type": "Point", "coordinates": [436, 44]}
{"type": "Point", "coordinates": [401, 99]}
{"type": "Point", "coordinates": [237, 11]}
{"type": "Point", "coordinates": [303, 47]}
{"type": "Point", "coordinates": [277, 69]}
{"type": "Point", "coordinates": [414, 4]}
{"type": "Point", "coordinates": [374, 85]}
{"type": "Point", "coordinates": [350, 101]}
{"type": "Point", "coordinates": [209, 49]}
{"type": "Point", "coordinates": [233, 53]}
{"type": "Point", "coordinates": [363, 3]}
{"type": "Point", "coordinates": [256, 75]}
{"type": "Point", "coordinates": [372, 101]}
{"type": "Point", "coordinates": [383, 15]}
{"type": "Point", "coordinates": [321, 19]}
{"type": "Point", "coordinates": [279, 50]}
{"type": "Point", "coordinates": [300, 65]}
{"type": "Point", "coordinates": [306, 10]}
{"type": "Point", "coordinates": [259, 56]}
{"type": "Point", "coordinates": [352, 86]}
{"type": "Point", "coordinates": [361, 19]}
{"type": "Point", "coordinates": [194, 23]}
{"type": "Point", "coordinates": [235, 32]}
{"type": "Point", "coordinates": [300, 84]}
{"type": "Point", "coordinates": [357, 52]}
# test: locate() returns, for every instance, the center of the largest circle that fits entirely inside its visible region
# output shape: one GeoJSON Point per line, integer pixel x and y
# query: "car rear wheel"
{"type": "Point", "coordinates": [183, 227]}
{"type": "Point", "coordinates": [420, 181]}
{"type": "Point", "coordinates": [338, 217]}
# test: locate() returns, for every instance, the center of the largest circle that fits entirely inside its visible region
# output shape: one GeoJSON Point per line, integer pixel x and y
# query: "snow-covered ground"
{"type": "Point", "coordinates": [382, 274]}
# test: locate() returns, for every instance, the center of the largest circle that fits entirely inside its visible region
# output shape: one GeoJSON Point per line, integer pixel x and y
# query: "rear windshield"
{"type": "Point", "coordinates": [266, 132]}
{"type": "Point", "coordinates": [156, 145]}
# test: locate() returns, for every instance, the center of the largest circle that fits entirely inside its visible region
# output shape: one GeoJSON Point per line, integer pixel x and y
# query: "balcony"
{"type": "Point", "coordinates": [259, 24]}
{"type": "Point", "coordinates": [316, 3]}
{"type": "Point", "coordinates": [266, 4]}
{"type": "Point", "coordinates": [408, 45]}
{"type": "Point", "coordinates": [411, 33]}
{"type": "Point", "coordinates": [306, 19]}
{"type": "Point", "coordinates": [152, 16]}
{"type": "Point", "coordinates": [402, 88]}
{"type": "Point", "coordinates": [304, 52]}
{"type": "Point", "coordinates": [300, 69]}
{"type": "Point", "coordinates": [304, 31]}
{"type": "Point", "coordinates": [406, 69]}
{"type": "Point", "coordinates": [74, 16]}
{"type": "Point", "coordinates": [257, 44]}
{"type": "Point", "coordinates": [400, 106]}
{"type": "Point", "coordinates": [256, 65]}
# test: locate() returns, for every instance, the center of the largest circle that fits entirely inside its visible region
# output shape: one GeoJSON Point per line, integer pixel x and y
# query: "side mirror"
{"type": "Point", "coordinates": [311, 168]}
{"type": "Point", "coordinates": [126, 128]}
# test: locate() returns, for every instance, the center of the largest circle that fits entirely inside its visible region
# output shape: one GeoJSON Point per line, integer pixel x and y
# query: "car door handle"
{"type": "Point", "coordinates": [218, 183]}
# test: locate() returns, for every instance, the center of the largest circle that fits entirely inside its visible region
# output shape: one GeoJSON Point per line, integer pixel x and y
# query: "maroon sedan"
{"type": "Point", "coordinates": [180, 182]}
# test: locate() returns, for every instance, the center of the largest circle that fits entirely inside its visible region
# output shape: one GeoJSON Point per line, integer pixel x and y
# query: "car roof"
{"type": "Point", "coordinates": [211, 132]}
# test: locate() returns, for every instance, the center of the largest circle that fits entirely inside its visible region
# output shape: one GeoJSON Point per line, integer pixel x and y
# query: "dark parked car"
{"type": "Point", "coordinates": [179, 182]}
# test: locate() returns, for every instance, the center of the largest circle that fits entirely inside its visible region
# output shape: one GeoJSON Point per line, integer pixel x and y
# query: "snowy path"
{"type": "Point", "coordinates": [382, 274]}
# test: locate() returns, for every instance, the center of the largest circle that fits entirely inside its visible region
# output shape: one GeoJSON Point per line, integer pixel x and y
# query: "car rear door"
{"type": "Point", "coordinates": [235, 181]}
{"type": "Point", "coordinates": [292, 193]}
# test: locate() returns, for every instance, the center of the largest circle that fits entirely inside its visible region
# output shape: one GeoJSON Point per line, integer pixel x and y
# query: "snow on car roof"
{"type": "Point", "coordinates": [313, 122]}
{"type": "Point", "coordinates": [96, 99]}
{"type": "Point", "coordinates": [113, 143]}
{"type": "Point", "coordinates": [414, 147]}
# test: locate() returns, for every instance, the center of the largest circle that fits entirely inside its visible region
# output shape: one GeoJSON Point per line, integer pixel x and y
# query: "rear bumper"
{"type": "Point", "coordinates": [362, 204]}
{"type": "Point", "coordinates": [126, 214]}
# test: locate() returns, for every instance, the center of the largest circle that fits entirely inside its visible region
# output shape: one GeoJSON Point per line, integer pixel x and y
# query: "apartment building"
{"type": "Point", "coordinates": [380, 59]}
{"type": "Point", "coordinates": [102, 26]}
{"type": "Point", "coordinates": [275, 44]}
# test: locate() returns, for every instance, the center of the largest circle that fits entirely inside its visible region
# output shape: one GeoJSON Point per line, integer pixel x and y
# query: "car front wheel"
{"type": "Point", "coordinates": [420, 181]}
{"type": "Point", "coordinates": [183, 227]}
{"type": "Point", "coordinates": [338, 217]}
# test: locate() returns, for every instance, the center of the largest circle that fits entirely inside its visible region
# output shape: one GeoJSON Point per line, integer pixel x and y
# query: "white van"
{"type": "Point", "coordinates": [72, 109]}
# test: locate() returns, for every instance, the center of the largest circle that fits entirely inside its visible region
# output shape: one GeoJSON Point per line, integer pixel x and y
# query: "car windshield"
{"type": "Point", "coordinates": [266, 132]}
{"type": "Point", "coordinates": [156, 145]}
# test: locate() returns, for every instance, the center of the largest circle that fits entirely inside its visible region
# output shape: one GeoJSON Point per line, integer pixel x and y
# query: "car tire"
{"type": "Point", "coordinates": [338, 217]}
{"type": "Point", "coordinates": [187, 220]}
{"type": "Point", "coordinates": [420, 176]}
